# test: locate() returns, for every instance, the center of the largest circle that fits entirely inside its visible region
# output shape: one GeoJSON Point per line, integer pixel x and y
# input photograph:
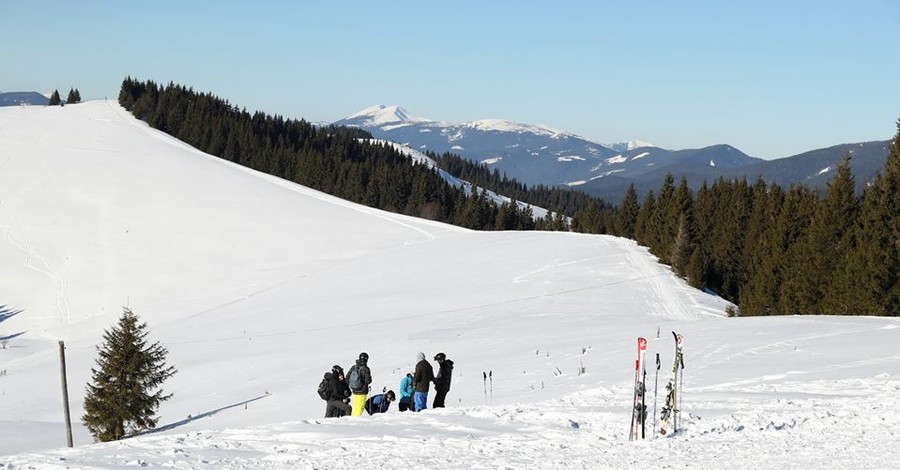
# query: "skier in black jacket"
{"type": "Point", "coordinates": [442, 379]}
{"type": "Point", "coordinates": [422, 379]}
{"type": "Point", "coordinates": [338, 403]}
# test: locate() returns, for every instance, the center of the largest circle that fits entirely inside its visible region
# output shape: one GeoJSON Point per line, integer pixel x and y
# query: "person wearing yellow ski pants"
{"type": "Point", "coordinates": [358, 402]}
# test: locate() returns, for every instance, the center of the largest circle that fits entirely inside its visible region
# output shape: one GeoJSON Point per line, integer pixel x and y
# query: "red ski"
{"type": "Point", "coordinates": [639, 412]}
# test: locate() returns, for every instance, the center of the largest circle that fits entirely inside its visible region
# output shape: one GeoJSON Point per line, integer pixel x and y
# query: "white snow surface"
{"type": "Point", "coordinates": [258, 286]}
{"type": "Point", "coordinates": [503, 125]}
{"type": "Point", "coordinates": [640, 155]}
{"type": "Point", "coordinates": [382, 115]}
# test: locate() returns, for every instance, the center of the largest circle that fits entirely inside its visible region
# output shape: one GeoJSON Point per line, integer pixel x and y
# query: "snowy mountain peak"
{"type": "Point", "coordinates": [502, 125]}
{"type": "Point", "coordinates": [636, 144]}
{"type": "Point", "coordinates": [381, 115]}
{"type": "Point", "coordinates": [629, 146]}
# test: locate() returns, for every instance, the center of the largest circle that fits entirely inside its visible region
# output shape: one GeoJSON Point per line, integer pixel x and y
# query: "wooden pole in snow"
{"type": "Point", "coordinates": [65, 391]}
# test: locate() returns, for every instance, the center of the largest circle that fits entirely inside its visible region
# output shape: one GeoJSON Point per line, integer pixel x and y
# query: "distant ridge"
{"type": "Point", "coordinates": [538, 154]}
{"type": "Point", "coordinates": [18, 98]}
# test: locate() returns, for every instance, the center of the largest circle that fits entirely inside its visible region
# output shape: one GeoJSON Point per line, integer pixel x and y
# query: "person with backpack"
{"type": "Point", "coordinates": [334, 390]}
{"type": "Point", "coordinates": [359, 378]}
{"type": "Point", "coordinates": [422, 382]}
{"type": "Point", "coordinates": [380, 403]}
{"type": "Point", "coordinates": [406, 393]}
{"type": "Point", "coordinates": [442, 379]}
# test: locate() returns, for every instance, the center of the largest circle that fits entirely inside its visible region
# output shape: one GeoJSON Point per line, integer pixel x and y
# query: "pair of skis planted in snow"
{"type": "Point", "coordinates": [671, 408]}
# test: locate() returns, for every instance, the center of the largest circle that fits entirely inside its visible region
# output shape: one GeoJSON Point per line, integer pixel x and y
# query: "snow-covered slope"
{"type": "Point", "coordinates": [257, 286]}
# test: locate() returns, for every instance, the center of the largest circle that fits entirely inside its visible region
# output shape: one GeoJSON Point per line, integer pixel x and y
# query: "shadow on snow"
{"type": "Point", "coordinates": [204, 415]}
{"type": "Point", "coordinates": [6, 313]}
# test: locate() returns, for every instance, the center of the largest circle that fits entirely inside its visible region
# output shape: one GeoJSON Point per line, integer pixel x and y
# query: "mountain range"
{"type": "Point", "coordinates": [537, 154]}
{"type": "Point", "coordinates": [16, 98]}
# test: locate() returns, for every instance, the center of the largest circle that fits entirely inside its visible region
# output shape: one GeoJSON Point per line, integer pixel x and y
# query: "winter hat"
{"type": "Point", "coordinates": [440, 357]}
{"type": "Point", "coordinates": [420, 356]}
{"type": "Point", "coordinates": [363, 356]}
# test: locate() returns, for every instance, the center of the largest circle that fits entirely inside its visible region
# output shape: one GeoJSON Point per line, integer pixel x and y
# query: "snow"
{"type": "Point", "coordinates": [636, 144]}
{"type": "Point", "coordinates": [381, 115]}
{"type": "Point", "coordinates": [628, 146]}
{"type": "Point", "coordinates": [257, 286]}
{"type": "Point", "coordinates": [569, 158]}
{"type": "Point", "coordinates": [640, 155]}
{"type": "Point", "coordinates": [503, 125]}
{"type": "Point", "coordinates": [712, 163]}
{"type": "Point", "coordinates": [606, 173]}
{"type": "Point", "coordinates": [617, 159]}
{"type": "Point", "coordinates": [824, 170]}
{"type": "Point", "coordinates": [419, 157]}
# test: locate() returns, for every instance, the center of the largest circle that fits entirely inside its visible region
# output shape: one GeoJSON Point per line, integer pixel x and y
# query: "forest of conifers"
{"type": "Point", "coordinates": [768, 249]}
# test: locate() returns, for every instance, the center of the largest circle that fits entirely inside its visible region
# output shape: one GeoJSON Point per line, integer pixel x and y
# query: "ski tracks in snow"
{"type": "Point", "coordinates": [666, 298]}
{"type": "Point", "coordinates": [33, 259]}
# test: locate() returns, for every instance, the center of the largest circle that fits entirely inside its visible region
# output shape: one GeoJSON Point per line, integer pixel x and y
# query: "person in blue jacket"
{"type": "Point", "coordinates": [406, 393]}
{"type": "Point", "coordinates": [380, 403]}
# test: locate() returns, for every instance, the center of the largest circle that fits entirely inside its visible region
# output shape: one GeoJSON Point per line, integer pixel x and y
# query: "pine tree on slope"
{"type": "Point", "coordinates": [120, 400]}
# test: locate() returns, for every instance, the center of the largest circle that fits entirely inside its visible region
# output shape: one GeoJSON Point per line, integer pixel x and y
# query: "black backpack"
{"type": "Point", "coordinates": [323, 389]}
{"type": "Point", "coordinates": [354, 380]}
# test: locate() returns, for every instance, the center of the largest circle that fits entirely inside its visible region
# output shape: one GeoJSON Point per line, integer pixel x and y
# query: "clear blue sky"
{"type": "Point", "coordinates": [773, 78]}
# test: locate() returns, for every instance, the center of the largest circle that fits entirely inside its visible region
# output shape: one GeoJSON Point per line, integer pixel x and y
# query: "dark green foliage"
{"type": "Point", "coordinates": [626, 219]}
{"type": "Point", "coordinates": [878, 246]}
{"type": "Point", "coordinates": [73, 97]}
{"type": "Point", "coordinates": [124, 393]}
{"type": "Point", "coordinates": [777, 253]}
{"type": "Point", "coordinates": [769, 250]}
{"type": "Point", "coordinates": [344, 162]}
{"type": "Point", "coordinates": [55, 99]}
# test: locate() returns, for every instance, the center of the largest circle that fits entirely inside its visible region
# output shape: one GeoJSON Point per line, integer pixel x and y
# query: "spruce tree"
{"type": "Point", "coordinates": [887, 276]}
{"type": "Point", "coordinates": [628, 214]}
{"type": "Point", "coordinates": [790, 251]}
{"type": "Point", "coordinates": [54, 99]}
{"type": "Point", "coordinates": [70, 99]}
{"type": "Point", "coordinates": [124, 393]}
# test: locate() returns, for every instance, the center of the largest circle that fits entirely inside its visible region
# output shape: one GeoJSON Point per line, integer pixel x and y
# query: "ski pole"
{"type": "Point", "coordinates": [680, 386]}
{"type": "Point", "coordinates": [485, 387]}
{"type": "Point", "coordinates": [491, 376]}
{"type": "Point", "coordinates": [655, 392]}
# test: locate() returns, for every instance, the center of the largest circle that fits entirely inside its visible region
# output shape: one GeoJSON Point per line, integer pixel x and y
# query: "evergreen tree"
{"type": "Point", "coordinates": [628, 213]}
{"type": "Point", "coordinates": [833, 238]}
{"type": "Point", "coordinates": [120, 400]}
{"type": "Point", "coordinates": [644, 228]}
{"type": "Point", "coordinates": [54, 99]}
{"type": "Point", "coordinates": [666, 219]}
{"type": "Point", "coordinates": [71, 98]}
{"type": "Point", "coordinates": [789, 251]}
{"type": "Point", "coordinates": [77, 96]}
{"type": "Point", "coordinates": [884, 235]}
{"type": "Point", "coordinates": [684, 247]}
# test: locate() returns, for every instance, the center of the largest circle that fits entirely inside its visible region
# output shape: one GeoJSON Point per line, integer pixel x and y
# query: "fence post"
{"type": "Point", "coordinates": [65, 391]}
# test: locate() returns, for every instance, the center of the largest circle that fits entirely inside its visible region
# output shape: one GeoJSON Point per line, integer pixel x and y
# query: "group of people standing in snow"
{"type": "Point", "coordinates": [348, 394]}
